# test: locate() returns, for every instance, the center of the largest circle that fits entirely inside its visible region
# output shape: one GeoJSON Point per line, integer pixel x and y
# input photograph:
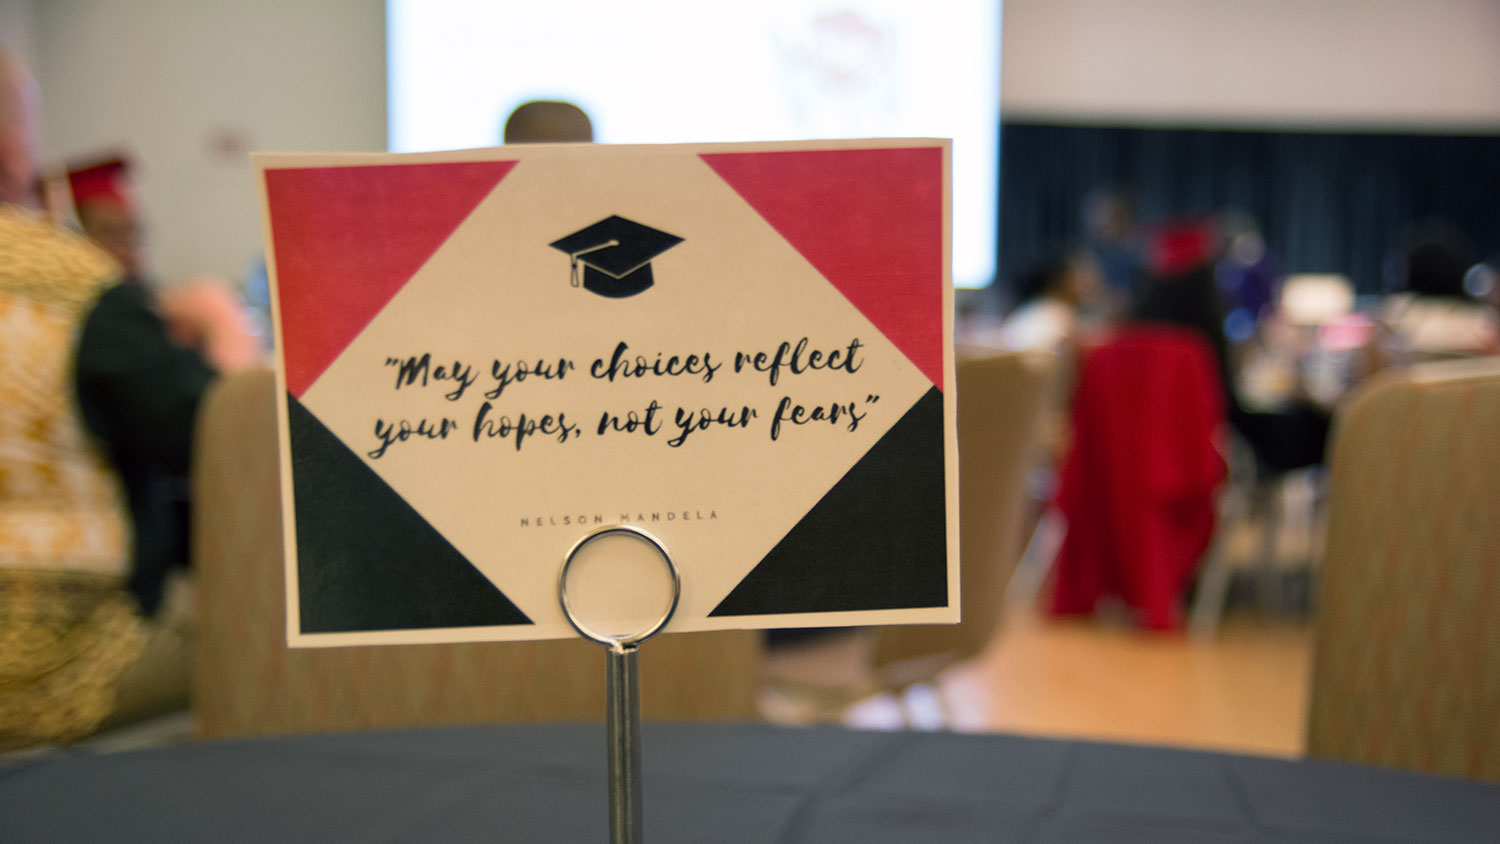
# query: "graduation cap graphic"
{"type": "Point", "coordinates": [616, 255]}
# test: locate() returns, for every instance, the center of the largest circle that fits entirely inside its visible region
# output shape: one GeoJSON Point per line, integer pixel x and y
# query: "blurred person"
{"type": "Point", "coordinates": [1177, 286]}
{"type": "Point", "coordinates": [104, 206]}
{"type": "Point", "coordinates": [1432, 313]}
{"type": "Point", "coordinates": [55, 199]}
{"type": "Point", "coordinates": [145, 358]}
{"type": "Point", "coordinates": [1049, 299]}
{"type": "Point", "coordinates": [1140, 474]}
{"type": "Point", "coordinates": [1111, 237]}
{"type": "Point", "coordinates": [978, 314]}
{"type": "Point", "coordinates": [548, 121]}
{"type": "Point", "coordinates": [1247, 275]}
{"type": "Point", "coordinates": [258, 301]}
{"type": "Point", "coordinates": [1482, 282]}
{"type": "Point", "coordinates": [1049, 317]}
{"type": "Point", "coordinates": [68, 628]}
{"type": "Point", "coordinates": [1181, 289]}
{"type": "Point", "coordinates": [87, 346]}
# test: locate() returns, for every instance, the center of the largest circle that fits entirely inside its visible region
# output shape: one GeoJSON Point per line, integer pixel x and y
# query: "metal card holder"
{"type": "Point", "coordinates": [622, 682]}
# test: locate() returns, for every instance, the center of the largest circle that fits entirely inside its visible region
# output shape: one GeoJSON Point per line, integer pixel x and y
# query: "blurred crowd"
{"type": "Point", "coordinates": [1284, 344]}
{"type": "Point", "coordinates": [1129, 306]}
{"type": "Point", "coordinates": [102, 368]}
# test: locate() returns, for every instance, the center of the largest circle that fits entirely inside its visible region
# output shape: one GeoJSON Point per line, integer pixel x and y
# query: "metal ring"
{"type": "Point", "coordinates": [618, 643]}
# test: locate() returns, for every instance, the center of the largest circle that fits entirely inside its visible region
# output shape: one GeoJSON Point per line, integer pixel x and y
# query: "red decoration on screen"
{"type": "Point", "coordinates": [347, 239]}
{"type": "Point", "coordinates": [869, 220]}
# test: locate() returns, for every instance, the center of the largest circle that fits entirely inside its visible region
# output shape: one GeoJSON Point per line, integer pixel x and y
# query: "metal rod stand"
{"type": "Point", "coordinates": [622, 686]}
{"type": "Point", "coordinates": [623, 733]}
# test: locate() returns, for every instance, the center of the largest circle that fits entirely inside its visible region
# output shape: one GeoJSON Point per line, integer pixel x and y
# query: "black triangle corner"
{"type": "Point", "coordinates": [366, 560]}
{"type": "Point", "coordinates": [877, 540]}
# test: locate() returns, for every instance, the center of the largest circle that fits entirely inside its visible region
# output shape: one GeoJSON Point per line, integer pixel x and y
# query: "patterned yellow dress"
{"type": "Point", "coordinates": [68, 629]}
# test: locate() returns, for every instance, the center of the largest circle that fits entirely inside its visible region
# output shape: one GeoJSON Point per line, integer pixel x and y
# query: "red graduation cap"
{"type": "Point", "coordinates": [1177, 247]}
{"type": "Point", "coordinates": [105, 181]}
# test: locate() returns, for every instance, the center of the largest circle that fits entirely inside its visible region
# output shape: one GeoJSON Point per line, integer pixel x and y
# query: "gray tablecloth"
{"type": "Point", "coordinates": [723, 784]}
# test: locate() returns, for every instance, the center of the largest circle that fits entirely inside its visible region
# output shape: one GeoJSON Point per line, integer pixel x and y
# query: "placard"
{"type": "Point", "coordinates": [744, 349]}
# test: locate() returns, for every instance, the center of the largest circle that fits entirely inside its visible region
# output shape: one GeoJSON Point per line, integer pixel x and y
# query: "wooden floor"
{"type": "Point", "coordinates": [1243, 690]}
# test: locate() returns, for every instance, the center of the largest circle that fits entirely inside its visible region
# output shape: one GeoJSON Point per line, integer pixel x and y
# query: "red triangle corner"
{"type": "Point", "coordinates": [347, 239]}
{"type": "Point", "coordinates": [869, 220]}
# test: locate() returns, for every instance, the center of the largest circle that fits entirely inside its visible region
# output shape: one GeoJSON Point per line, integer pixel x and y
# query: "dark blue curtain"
{"type": "Point", "coordinates": [1326, 202]}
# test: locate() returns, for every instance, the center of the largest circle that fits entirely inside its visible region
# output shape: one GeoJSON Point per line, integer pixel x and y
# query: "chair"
{"type": "Point", "coordinates": [1138, 485]}
{"type": "Point", "coordinates": [246, 681]}
{"type": "Point", "coordinates": [1407, 650]}
{"type": "Point", "coordinates": [1002, 397]}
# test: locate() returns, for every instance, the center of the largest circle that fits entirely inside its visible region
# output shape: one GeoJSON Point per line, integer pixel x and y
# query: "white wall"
{"type": "Point", "coordinates": [1361, 63]}
{"type": "Point", "coordinates": [191, 86]}
{"type": "Point", "coordinates": [16, 29]}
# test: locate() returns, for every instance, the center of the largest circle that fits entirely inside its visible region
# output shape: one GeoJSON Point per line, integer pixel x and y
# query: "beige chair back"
{"type": "Point", "coordinates": [1002, 401]}
{"type": "Point", "coordinates": [1407, 656]}
{"type": "Point", "coordinates": [246, 681]}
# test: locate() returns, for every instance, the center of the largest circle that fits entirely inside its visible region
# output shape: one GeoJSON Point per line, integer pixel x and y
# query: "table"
{"type": "Point", "coordinates": [723, 784]}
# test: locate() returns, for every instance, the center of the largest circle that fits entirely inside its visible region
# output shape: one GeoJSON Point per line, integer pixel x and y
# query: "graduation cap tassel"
{"type": "Point", "coordinates": [573, 256]}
